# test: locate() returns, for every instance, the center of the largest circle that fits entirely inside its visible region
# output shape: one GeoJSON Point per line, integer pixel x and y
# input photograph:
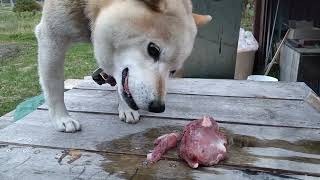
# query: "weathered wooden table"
{"type": "Point", "coordinates": [273, 131]}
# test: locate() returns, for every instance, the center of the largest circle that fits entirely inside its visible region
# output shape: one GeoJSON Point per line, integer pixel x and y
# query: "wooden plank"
{"type": "Point", "coordinates": [71, 83]}
{"type": "Point", "coordinates": [285, 63]}
{"type": "Point", "coordinates": [27, 162]}
{"type": "Point", "coordinates": [225, 109]}
{"type": "Point", "coordinates": [289, 64]}
{"type": "Point", "coordinates": [228, 88]}
{"type": "Point", "coordinates": [18, 162]}
{"type": "Point", "coordinates": [289, 150]}
{"type": "Point", "coordinates": [313, 100]}
{"type": "Point", "coordinates": [6, 120]}
{"type": "Point", "coordinates": [295, 67]}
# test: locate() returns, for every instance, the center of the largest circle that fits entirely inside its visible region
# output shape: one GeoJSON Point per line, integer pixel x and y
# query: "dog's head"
{"type": "Point", "coordinates": [142, 42]}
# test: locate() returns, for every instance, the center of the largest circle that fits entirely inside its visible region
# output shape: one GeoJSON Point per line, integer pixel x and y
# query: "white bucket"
{"type": "Point", "coordinates": [262, 78]}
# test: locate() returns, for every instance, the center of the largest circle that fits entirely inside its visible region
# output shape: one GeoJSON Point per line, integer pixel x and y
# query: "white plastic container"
{"type": "Point", "coordinates": [247, 47]}
{"type": "Point", "coordinates": [262, 78]}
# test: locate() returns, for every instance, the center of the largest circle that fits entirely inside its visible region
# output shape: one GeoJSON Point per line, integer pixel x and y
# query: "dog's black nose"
{"type": "Point", "coordinates": [157, 107]}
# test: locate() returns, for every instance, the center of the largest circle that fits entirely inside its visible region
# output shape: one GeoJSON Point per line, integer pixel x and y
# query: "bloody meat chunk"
{"type": "Point", "coordinates": [202, 143]}
{"type": "Point", "coordinates": [163, 144]}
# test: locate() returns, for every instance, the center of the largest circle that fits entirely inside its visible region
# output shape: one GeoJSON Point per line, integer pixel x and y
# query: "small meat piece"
{"type": "Point", "coordinates": [202, 143]}
{"type": "Point", "coordinates": [163, 144]}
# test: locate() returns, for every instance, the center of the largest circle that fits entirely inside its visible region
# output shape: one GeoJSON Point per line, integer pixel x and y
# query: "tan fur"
{"type": "Point", "coordinates": [93, 7]}
{"type": "Point", "coordinates": [161, 87]}
{"type": "Point", "coordinates": [83, 14]}
{"type": "Point", "coordinates": [78, 16]}
{"type": "Point", "coordinates": [121, 32]}
{"type": "Point", "coordinates": [156, 5]}
{"type": "Point", "coordinates": [147, 24]}
{"type": "Point", "coordinates": [201, 20]}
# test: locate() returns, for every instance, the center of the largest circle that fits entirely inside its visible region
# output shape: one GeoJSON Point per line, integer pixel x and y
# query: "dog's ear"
{"type": "Point", "coordinates": [156, 5]}
{"type": "Point", "coordinates": [201, 19]}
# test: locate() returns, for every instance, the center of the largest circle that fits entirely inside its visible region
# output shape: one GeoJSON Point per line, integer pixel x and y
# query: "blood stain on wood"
{"type": "Point", "coordinates": [72, 154]}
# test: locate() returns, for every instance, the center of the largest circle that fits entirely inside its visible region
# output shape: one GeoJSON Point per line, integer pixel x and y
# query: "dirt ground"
{"type": "Point", "coordinates": [9, 50]}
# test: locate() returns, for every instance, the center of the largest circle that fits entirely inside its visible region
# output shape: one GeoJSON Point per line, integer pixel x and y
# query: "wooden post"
{"type": "Point", "coordinates": [258, 31]}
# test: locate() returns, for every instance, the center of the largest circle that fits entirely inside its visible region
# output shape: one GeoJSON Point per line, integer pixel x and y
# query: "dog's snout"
{"type": "Point", "coordinates": [157, 107]}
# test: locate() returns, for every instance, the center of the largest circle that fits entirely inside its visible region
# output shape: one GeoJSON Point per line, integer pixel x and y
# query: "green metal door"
{"type": "Point", "coordinates": [215, 49]}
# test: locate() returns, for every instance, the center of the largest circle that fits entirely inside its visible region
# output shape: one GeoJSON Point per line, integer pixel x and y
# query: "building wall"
{"type": "Point", "coordinates": [288, 10]}
{"type": "Point", "coordinates": [215, 49]}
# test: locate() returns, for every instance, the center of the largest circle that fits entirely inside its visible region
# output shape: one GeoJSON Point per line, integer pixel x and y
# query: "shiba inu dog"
{"type": "Point", "coordinates": [138, 42]}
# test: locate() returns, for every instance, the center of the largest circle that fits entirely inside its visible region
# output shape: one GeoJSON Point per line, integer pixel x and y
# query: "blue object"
{"type": "Point", "coordinates": [27, 107]}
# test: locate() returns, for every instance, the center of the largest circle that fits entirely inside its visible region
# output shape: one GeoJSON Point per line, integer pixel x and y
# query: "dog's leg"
{"type": "Point", "coordinates": [51, 53]}
{"type": "Point", "coordinates": [127, 114]}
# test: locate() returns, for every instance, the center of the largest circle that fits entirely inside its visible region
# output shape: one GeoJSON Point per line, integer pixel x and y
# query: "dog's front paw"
{"type": "Point", "coordinates": [128, 115]}
{"type": "Point", "coordinates": [67, 124]}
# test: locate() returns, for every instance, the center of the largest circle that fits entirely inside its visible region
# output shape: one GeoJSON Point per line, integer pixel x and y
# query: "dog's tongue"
{"type": "Point", "coordinates": [126, 86]}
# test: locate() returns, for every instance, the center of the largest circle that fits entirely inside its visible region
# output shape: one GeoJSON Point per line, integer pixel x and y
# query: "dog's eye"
{"type": "Point", "coordinates": [154, 51]}
{"type": "Point", "coordinates": [172, 73]}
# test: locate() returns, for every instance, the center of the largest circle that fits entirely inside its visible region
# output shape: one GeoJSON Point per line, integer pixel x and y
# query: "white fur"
{"type": "Point", "coordinates": [126, 114]}
{"type": "Point", "coordinates": [120, 36]}
{"type": "Point", "coordinates": [51, 59]}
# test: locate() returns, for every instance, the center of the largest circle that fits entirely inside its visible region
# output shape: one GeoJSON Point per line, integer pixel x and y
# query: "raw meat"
{"type": "Point", "coordinates": [163, 144]}
{"type": "Point", "coordinates": [201, 143]}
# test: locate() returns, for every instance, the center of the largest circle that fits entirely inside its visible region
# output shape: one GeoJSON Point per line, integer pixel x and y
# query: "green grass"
{"type": "Point", "coordinates": [17, 23]}
{"type": "Point", "coordinates": [18, 72]}
{"type": "Point", "coordinates": [247, 15]}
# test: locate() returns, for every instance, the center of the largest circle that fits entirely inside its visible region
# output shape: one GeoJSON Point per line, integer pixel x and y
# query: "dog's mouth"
{"type": "Point", "coordinates": [126, 91]}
